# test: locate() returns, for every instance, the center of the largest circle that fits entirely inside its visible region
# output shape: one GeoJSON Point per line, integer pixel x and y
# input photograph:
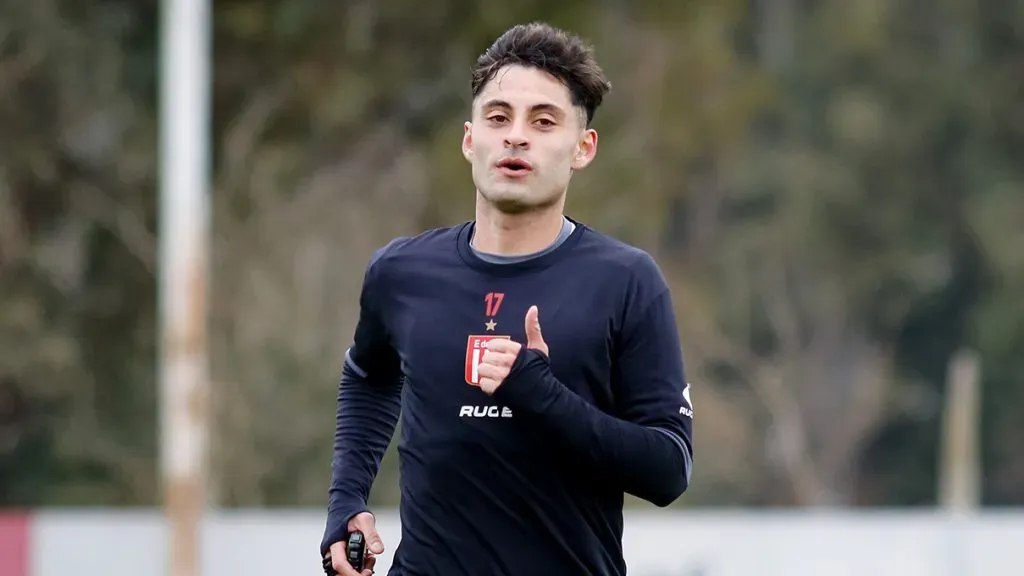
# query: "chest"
{"type": "Point", "coordinates": [440, 324]}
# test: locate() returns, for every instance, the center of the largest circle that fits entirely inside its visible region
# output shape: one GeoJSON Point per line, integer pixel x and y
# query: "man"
{"type": "Point", "coordinates": [518, 444]}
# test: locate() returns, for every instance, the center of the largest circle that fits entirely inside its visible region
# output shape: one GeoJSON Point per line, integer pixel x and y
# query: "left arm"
{"type": "Point", "coordinates": [648, 448]}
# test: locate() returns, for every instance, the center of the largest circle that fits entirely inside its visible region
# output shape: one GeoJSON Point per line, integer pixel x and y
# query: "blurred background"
{"type": "Point", "coordinates": [835, 190]}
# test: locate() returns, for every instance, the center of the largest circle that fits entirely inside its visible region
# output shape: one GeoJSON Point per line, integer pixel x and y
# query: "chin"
{"type": "Point", "coordinates": [512, 206]}
{"type": "Point", "coordinates": [507, 201]}
{"type": "Point", "coordinates": [517, 199]}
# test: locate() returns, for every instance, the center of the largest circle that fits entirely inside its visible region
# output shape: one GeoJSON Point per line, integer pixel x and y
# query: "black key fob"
{"type": "Point", "coordinates": [355, 550]}
{"type": "Point", "coordinates": [355, 553]}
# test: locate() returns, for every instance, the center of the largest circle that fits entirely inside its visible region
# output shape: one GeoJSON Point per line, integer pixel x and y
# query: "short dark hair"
{"type": "Point", "coordinates": [557, 52]}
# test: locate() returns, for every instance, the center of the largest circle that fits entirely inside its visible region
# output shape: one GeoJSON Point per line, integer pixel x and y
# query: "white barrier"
{"type": "Point", "coordinates": [688, 543]}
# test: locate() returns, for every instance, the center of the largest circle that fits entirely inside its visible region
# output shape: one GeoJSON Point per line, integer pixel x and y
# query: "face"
{"type": "Point", "coordinates": [525, 140]}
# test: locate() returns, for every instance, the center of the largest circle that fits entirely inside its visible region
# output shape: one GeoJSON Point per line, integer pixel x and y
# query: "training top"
{"type": "Point", "coordinates": [532, 479]}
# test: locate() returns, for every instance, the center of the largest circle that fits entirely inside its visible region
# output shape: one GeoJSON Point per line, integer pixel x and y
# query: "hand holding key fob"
{"type": "Point", "coordinates": [355, 553]}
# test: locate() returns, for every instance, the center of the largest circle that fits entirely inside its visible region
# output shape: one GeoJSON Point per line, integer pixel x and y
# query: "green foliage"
{"type": "Point", "coordinates": [833, 188]}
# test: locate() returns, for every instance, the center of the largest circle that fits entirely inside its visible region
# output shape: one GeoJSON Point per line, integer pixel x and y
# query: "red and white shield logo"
{"type": "Point", "coordinates": [474, 353]}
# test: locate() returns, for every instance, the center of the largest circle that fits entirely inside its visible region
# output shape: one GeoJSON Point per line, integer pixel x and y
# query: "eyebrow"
{"type": "Point", "coordinates": [543, 107]}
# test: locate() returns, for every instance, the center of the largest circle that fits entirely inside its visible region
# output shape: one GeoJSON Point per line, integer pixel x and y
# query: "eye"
{"type": "Point", "coordinates": [546, 122]}
{"type": "Point", "coordinates": [497, 118]}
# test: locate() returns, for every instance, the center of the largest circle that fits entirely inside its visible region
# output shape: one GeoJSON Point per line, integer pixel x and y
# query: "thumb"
{"type": "Point", "coordinates": [534, 339]}
{"type": "Point", "coordinates": [367, 524]}
{"type": "Point", "coordinates": [374, 543]}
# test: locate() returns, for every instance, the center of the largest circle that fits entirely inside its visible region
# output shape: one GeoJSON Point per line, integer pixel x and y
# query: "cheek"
{"type": "Point", "coordinates": [480, 150]}
{"type": "Point", "coordinates": [560, 161]}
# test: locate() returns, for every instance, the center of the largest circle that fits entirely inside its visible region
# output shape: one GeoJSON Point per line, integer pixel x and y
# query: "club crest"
{"type": "Point", "coordinates": [475, 348]}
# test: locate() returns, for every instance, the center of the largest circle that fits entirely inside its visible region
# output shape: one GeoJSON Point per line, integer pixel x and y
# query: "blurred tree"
{"type": "Point", "coordinates": [833, 188]}
{"type": "Point", "coordinates": [77, 167]}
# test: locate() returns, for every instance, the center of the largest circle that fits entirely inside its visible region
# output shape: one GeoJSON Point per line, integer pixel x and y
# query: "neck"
{"type": "Point", "coordinates": [504, 234]}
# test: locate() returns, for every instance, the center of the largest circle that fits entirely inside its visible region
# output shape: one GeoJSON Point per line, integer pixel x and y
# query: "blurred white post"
{"type": "Point", "coordinates": [959, 491]}
{"type": "Point", "coordinates": [184, 246]}
{"type": "Point", "coordinates": [960, 462]}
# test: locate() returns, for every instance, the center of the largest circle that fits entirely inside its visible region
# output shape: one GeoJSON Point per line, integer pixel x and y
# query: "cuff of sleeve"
{"type": "Point", "coordinates": [337, 526]}
{"type": "Point", "coordinates": [530, 386]}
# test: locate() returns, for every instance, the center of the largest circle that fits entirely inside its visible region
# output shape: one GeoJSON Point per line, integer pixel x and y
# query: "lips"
{"type": "Point", "coordinates": [514, 166]}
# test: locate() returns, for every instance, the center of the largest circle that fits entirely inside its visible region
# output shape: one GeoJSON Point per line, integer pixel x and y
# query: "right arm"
{"type": "Point", "coordinates": [369, 403]}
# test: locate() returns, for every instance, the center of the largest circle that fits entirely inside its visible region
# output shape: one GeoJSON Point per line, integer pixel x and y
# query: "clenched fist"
{"type": "Point", "coordinates": [365, 523]}
{"type": "Point", "coordinates": [501, 353]}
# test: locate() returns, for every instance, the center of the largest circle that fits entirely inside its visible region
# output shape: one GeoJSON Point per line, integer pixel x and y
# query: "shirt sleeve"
{"type": "Point", "coordinates": [369, 404]}
{"type": "Point", "coordinates": [646, 446]}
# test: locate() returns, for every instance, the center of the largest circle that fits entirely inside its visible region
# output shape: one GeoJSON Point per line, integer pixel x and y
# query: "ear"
{"type": "Point", "coordinates": [467, 141]}
{"type": "Point", "coordinates": [586, 149]}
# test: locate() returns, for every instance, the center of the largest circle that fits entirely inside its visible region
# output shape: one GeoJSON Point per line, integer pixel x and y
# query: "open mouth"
{"type": "Point", "coordinates": [514, 165]}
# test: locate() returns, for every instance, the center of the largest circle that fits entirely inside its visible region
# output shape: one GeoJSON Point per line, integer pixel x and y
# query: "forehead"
{"type": "Point", "coordinates": [523, 86]}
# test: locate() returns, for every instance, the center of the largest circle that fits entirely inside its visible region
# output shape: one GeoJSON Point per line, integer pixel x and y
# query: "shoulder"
{"type": "Point", "coordinates": [620, 259]}
{"type": "Point", "coordinates": [424, 248]}
{"type": "Point", "coordinates": [632, 278]}
{"type": "Point", "coordinates": [630, 275]}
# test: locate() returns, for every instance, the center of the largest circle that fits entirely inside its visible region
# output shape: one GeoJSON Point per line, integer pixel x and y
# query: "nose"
{"type": "Point", "coordinates": [516, 137]}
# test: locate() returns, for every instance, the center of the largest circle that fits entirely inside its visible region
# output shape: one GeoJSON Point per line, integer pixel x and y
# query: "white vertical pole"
{"type": "Point", "coordinates": [960, 472]}
{"type": "Point", "coordinates": [184, 245]}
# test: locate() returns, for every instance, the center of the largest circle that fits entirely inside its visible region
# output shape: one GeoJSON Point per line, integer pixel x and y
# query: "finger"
{"type": "Point", "coordinates": [492, 371]}
{"type": "Point", "coordinates": [504, 345]}
{"type": "Point", "coordinates": [367, 524]}
{"type": "Point", "coordinates": [339, 561]}
{"type": "Point", "coordinates": [342, 567]}
{"type": "Point", "coordinates": [534, 339]}
{"type": "Point", "coordinates": [498, 358]}
{"type": "Point", "coordinates": [374, 543]}
{"type": "Point", "coordinates": [488, 384]}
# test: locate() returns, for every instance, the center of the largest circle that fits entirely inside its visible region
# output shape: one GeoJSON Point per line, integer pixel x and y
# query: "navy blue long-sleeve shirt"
{"type": "Point", "coordinates": [532, 479]}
